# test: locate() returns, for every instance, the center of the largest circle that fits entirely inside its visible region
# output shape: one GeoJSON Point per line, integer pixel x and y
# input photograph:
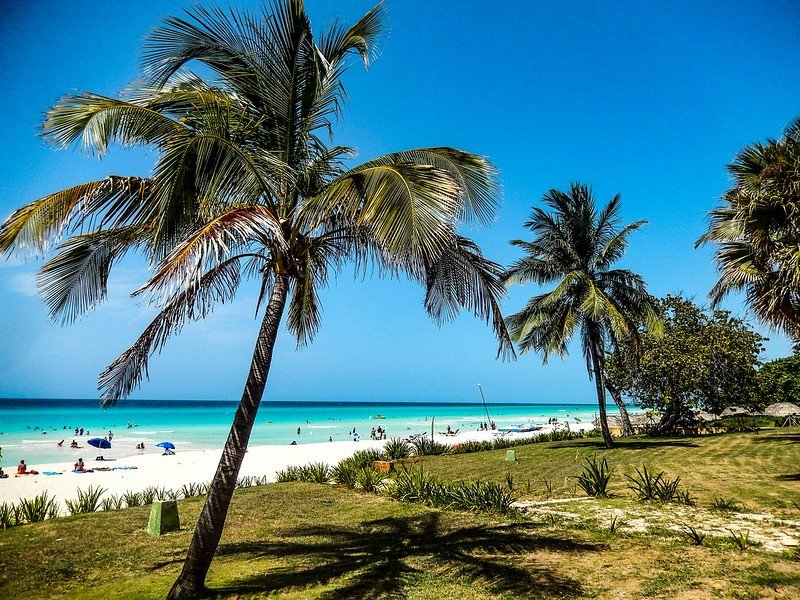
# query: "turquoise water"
{"type": "Point", "coordinates": [30, 429]}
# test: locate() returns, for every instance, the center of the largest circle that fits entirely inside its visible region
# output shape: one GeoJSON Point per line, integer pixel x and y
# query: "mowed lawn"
{"type": "Point", "coordinates": [298, 540]}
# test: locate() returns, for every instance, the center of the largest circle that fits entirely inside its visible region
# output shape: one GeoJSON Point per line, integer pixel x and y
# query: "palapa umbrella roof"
{"type": "Point", "coordinates": [704, 415]}
{"type": "Point", "coordinates": [734, 411]}
{"type": "Point", "coordinates": [782, 409]}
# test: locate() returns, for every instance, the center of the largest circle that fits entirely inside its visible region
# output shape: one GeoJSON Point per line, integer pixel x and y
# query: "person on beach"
{"type": "Point", "coordinates": [298, 431]}
{"type": "Point", "coordinates": [60, 444]}
{"type": "Point", "coordinates": [330, 438]}
{"type": "Point", "coordinates": [22, 469]}
{"type": "Point", "coordinates": [3, 475]}
{"type": "Point", "coordinates": [79, 466]}
{"type": "Point", "coordinates": [74, 444]}
{"type": "Point", "coordinates": [294, 443]}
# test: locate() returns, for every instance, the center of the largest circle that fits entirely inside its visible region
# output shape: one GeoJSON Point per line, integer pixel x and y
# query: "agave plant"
{"type": "Point", "coordinates": [39, 508]}
{"type": "Point", "coordinates": [87, 502]}
{"type": "Point", "coordinates": [595, 477]}
{"type": "Point", "coordinates": [396, 449]}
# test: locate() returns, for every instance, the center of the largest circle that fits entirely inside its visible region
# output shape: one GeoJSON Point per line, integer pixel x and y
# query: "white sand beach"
{"type": "Point", "coordinates": [197, 466]}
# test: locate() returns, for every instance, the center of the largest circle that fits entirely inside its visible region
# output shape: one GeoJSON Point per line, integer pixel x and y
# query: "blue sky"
{"type": "Point", "coordinates": [649, 101]}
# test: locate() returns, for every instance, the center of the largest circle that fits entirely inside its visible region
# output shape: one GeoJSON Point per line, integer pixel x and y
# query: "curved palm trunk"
{"type": "Point", "coordinates": [207, 532]}
{"type": "Point", "coordinates": [627, 428]}
{"type": "Point", "coordinates": [601, 389]}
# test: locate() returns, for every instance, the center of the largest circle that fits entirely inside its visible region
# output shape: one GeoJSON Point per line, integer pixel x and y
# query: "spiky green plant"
{"type": "Point", "coordinates": [645, 484]}
{"type": "Point", "coordinates": [8, 515]}
{"type": "Point", "coordinates": [132, 499]}
{"type": "Point", "coordinates": [724, 504]}
{"type": "Point", "coordinates": [345, 473]}
{"type": "Point", "coordinates": [317, 472]}
{"type": "Point", "coordinates": [38, 508]}
{"type": "Point", "coordinates": [396, 449]}
{"type": "Point", "coordinates": [428, 447]}
{"type": "Point", "coordinates": [87, 502]}
{"type": "Point", "coordinates": [741, 538]}
{"type": "Point", "coordinates": [288, 474]}
{"type": "Point", "coordinates": [595, 477]}
{"type": "Point", "coordinates": [696, 537]}
{"type": "Point", "coordinates": [370, 479]}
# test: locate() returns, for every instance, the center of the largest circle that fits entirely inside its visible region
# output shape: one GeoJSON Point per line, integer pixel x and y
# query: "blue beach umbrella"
{"type": "Point", "coordinates": [101, 443]}
{"type": "Point", "coordinates": [166, 445]}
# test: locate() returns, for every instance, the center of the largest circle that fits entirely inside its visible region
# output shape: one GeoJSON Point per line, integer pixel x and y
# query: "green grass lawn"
{"type": "Point", "coordinates": [300, 540]}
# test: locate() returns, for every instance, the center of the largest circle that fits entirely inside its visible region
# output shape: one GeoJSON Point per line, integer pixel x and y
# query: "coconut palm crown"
{"type": "Point", "coordinates": [757, 232]}
{"type": "Point", "coordinates": [575, 247]}
{"type": "Point", "coordinates": [245, 185]}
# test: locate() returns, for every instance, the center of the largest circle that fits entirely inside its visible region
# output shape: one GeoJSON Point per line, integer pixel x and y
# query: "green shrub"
{"type": "Point", "coordinates": [370, 479]}
{"type": "Point", "coordinates": [724, 504]}
{"type": "Point", "coordinates": [345, 473]}
{"type": "Point", "coordinates": [415, 486]}
{"type": "Point", "coordinates": [741, 539]}
{"type": "Point", "coordinates": [87, 502]}
{"type": "Point", "coordinates": [428, 447]}
{"type": "Point", "coordinates": [645, 484]}
{"type": "Point", "coordinates": [112, 502]}
{"type": "Point", "coordinates": [396, 449]}
{"type": "Point", "coordinates": [595, 477]}
{"type": "Point", "coordinates": [696, 537]}
{"type": "Point", "coordinates": [9, 516]}
{"type": "Point", "coordinates": [288, 474]}
{"type": "Point", "coordinates": [365, 458]}
{"type": "Point", "coordinates": [318, 472]}
{"type": "Point", "coordinates": [190, 490]}
{"type": "Point", "coordinates": [37, 509]}
{"type": "Point", "coordinates": [132, 499]}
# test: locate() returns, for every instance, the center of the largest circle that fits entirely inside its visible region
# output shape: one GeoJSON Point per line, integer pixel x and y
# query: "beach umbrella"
{"type": "Point", "coordinates": [101, 443]}
{"type": "Point", "coordinates": [782, 409]}
{"type": "Point", "coordinates": [735, 411]}
{"type": "Point", "coordinates": [166, 445]}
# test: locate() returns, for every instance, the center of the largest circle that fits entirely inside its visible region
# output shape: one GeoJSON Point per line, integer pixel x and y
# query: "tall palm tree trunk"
{"type": "Point", "coordinates": [627, 428]}
{"type": "Point", "coordinates": [207, 532]}
{"type": "Point", "coordinates": [601, 389]}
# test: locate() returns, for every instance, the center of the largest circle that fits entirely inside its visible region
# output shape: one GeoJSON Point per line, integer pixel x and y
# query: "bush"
{"type": "Point", "coordinates": [132, 499]}
{"type": "Point", "coordinates": [345, 473]}
{"type": "Point", "coordinates": [365, 458]}
{"type": "Point", "coordinates": [595, 477]}
{"type": "Point", "coordinates": [315, 473]}
{"type": "Point", "coordinates": [9, 516]}
{"type": "Point", "coordinates": [396, 449]}
{"type": "Point", "coordinates": [370, 479]}
{"type": "Point", "coordinates": [113, 502]}
{"type": "Point", "coordinates": [288, 474]}
{"type": "Point", "coordinates": [649, 486]}
{"type": "Point", "coordinates": [87, 502]}
{"type": "Point", "coordinates": [415, 486]}
{"type": "Point", "coordinates": [37, 509]}
{"type": "Point", "coordinates": [428, 447]}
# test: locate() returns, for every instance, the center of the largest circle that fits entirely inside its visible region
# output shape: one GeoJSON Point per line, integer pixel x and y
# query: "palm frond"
{"type": "Point", "coordinates": [75, 280]}
{"type": "Point", "coordinates": [463, 278]}
{"type": "Point", "coordinates": [193, 302]}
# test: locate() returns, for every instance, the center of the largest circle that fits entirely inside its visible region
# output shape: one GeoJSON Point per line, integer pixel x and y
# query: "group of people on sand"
{"type": "Point", "coordinates": [485, 427]}
{"type": "Point", "coordinates": [377, 434]}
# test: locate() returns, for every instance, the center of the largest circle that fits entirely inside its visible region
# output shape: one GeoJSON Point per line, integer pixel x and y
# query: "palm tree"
{"type": "Point", "coordinates": [757, 232]}
{"type": "Point", "coordinates": [576, 246]}
{"type": "Point", "coordinates": [245, 186]}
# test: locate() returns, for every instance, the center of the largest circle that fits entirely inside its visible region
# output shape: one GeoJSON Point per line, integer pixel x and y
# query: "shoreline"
{"type": "Point", "coordinates": [197, 466]}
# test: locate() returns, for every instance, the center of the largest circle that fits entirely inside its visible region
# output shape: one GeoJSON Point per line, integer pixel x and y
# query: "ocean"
{"type": "Point", "coordinates": [31, 429]}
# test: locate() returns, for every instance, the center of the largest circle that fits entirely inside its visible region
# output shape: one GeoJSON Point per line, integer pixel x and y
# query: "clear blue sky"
{"type": "Point", "coordinates": [647, 101]}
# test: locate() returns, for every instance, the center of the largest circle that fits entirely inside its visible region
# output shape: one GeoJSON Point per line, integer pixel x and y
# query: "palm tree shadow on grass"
{"type": "Point", "coordinates": [381, 557]}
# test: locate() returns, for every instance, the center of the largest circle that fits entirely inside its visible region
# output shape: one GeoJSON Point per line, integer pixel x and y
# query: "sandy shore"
{"type": "Point", "coordinates": [198, 466]}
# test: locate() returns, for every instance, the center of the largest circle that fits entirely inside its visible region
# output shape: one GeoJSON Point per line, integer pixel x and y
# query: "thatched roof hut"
{"type": "Point", "coordinates": [782, 409]}
{"type": "Point", "coordinates": [704, 415]}
{"type": "Point", "coordinates": [735, 411]}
